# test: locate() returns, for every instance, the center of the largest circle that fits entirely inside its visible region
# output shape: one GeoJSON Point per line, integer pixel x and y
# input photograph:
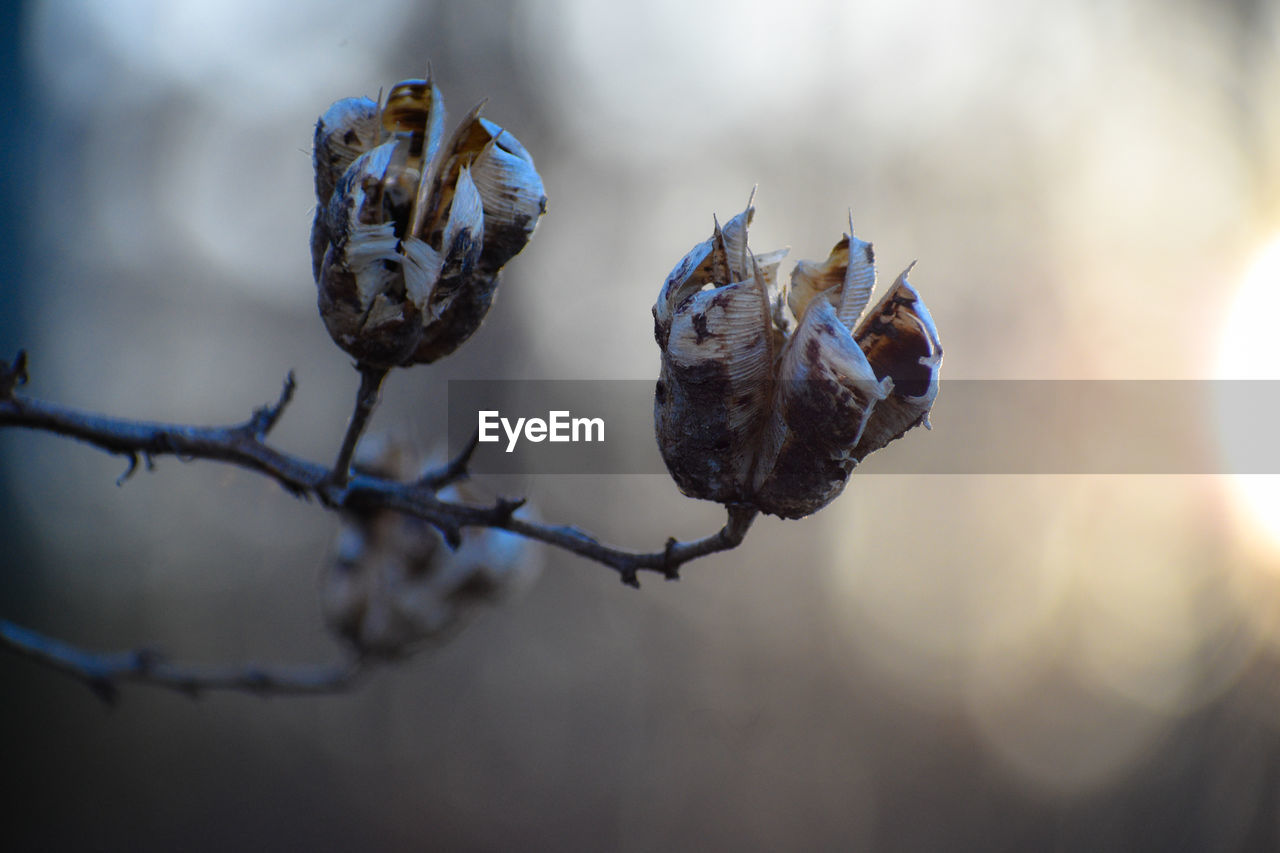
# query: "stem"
{"type": "Point", "coordinates": [366, 401]}
{"type": "Point", "coordinates": [103, 672]}
{"type": "Point", "coordinates": [244, 445]}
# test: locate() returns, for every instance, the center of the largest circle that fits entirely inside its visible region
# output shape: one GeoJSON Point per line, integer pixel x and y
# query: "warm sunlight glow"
{"type": "Point", "coordinates": [1248, 350]}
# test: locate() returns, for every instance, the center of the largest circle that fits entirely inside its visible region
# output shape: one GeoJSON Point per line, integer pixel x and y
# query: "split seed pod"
{"type": "Point", "coordinates": [411, 228]}
{"type": "Point", "coordinates": [746, 412]}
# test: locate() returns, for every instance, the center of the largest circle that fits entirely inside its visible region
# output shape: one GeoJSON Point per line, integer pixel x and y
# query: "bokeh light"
{"type": "Point", "coordinates": [1247, 351]}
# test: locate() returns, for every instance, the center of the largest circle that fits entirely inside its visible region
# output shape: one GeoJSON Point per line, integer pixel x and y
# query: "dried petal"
{"type": "Point", "coordinates": [512, 193]}
{"type": "Point", "coordinates": [825, 393]}
{"type": "Point", "coordinates": [440, 178]}
{"type": "Point", "coordinates": [416, 108]}
{"type": "Point", "coordinates": [709, 264]}
{"type": "Point", "coordinates": [463, 238]}
{"type": "Point", "coordinates": [346, 130]}
{"type": "Point", "coordinates": [458, 321]}
{"type": "Point", "coordinates": [715, 388]}
{"type": "Point", "coordinates": [845, 279]}
{"type": "Point", "coordinates": [463, 241]}
{"type": "Point", "coordinates": [361, 285]}
{"type": "Point", "coordinates": [901, 344]}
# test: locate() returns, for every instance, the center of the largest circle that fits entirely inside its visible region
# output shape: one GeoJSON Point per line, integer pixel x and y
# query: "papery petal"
{"type": "Point", "coordinates": [901, 343]}
{"type": "Point", "coordinates": [825, 394]}
{"type": "Point", "coordinates": [845, 279]}
{"type": "Point", "coordinates": [346, 130]}
{"type": "Point", "coordinates": [714, 390]}
{"type": "Point", "coordinates": [422, 265]}
{"type": "Point", "coordinates": [462, 242]}
{"type": "Point", "coordinates": [512, 193]}
{"type": "Point", "coordinates": [416, 108]}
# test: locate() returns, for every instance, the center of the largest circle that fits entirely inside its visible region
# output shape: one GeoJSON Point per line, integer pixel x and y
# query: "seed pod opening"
{"type": "Point", "coordinates": [747, 412]}
{"type": "Point", "coordinates": [411, 229]}
{"type": "Point", "coordinates": [902, 345]}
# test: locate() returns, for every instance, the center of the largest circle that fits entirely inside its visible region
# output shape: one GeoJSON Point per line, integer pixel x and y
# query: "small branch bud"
{"type": "Point", "coordinates": [13, 375]}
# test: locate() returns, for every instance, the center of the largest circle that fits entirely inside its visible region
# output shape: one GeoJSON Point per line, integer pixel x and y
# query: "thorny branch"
{"type": "Point", "coordinates": [245, 445]}
{"type": "Point", "coordinates": [102, 673]}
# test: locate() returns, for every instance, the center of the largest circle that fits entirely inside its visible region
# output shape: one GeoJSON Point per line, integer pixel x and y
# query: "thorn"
{"type": "Point", "coordinates": [670, 568]}
{"type": "Point", "coordinates": [296, 490]}
{"type": "Point", "coordinates": [506, 507]}
{"type": "Point", "coordinates": [629, 578]}
{"type": "Point", "coordinates": [13, 375]}
{"type": "Point", "coordinates": [257, 680]}
{"type": "Point", "coordinates": [105, 689]}
{"type": "Point", "coordinates": [146, 660]}
{"type": "Point", "coordinates": [128, 472]}
{"type": "Point", "coordinates": [454, 470]}
{"type": "Point", "coordinates": [264, 418]}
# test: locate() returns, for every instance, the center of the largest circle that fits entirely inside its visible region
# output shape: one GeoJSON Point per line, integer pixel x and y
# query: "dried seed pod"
{"type": "Point", "coordinates": [411, 230]}
{"type": "Point", "coordinates": [747, 413]}
{"type": "Point", "coordinates": [392, 582]}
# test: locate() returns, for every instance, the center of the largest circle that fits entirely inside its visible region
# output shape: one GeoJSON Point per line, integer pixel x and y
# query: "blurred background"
{"type": "Point", "coordinates": [932, 662]}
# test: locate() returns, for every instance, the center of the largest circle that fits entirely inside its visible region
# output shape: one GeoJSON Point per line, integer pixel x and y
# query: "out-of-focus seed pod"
{"type": "Point", "coordinates": [412, 229]}
{"type": "Point", "coordinates": [746, 412]}
{"type": "Point", "coordinates": [393, 583]}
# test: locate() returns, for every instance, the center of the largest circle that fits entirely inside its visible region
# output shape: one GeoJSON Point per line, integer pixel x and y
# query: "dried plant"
{"type": "Point", "coordinates": [411, 233]}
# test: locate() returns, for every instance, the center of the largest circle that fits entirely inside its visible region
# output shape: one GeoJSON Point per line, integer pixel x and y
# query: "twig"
{"type": "Point", "coordinates": [13, 375]}
{"type": "Point", "coordinates": [240, 444]}
{"type": "Point", "coordinates": [366, 401]}
{"type": "Point", "coordinates": [454, 470]}
{"type": "Point", "coordinates": [103, 672]}
{"type": "Point", "coordinates": [265, 418]}
{"type": "Point", "coordinates": [244, 445]}
{"type": "Point", "coordinates": [667, 561]}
